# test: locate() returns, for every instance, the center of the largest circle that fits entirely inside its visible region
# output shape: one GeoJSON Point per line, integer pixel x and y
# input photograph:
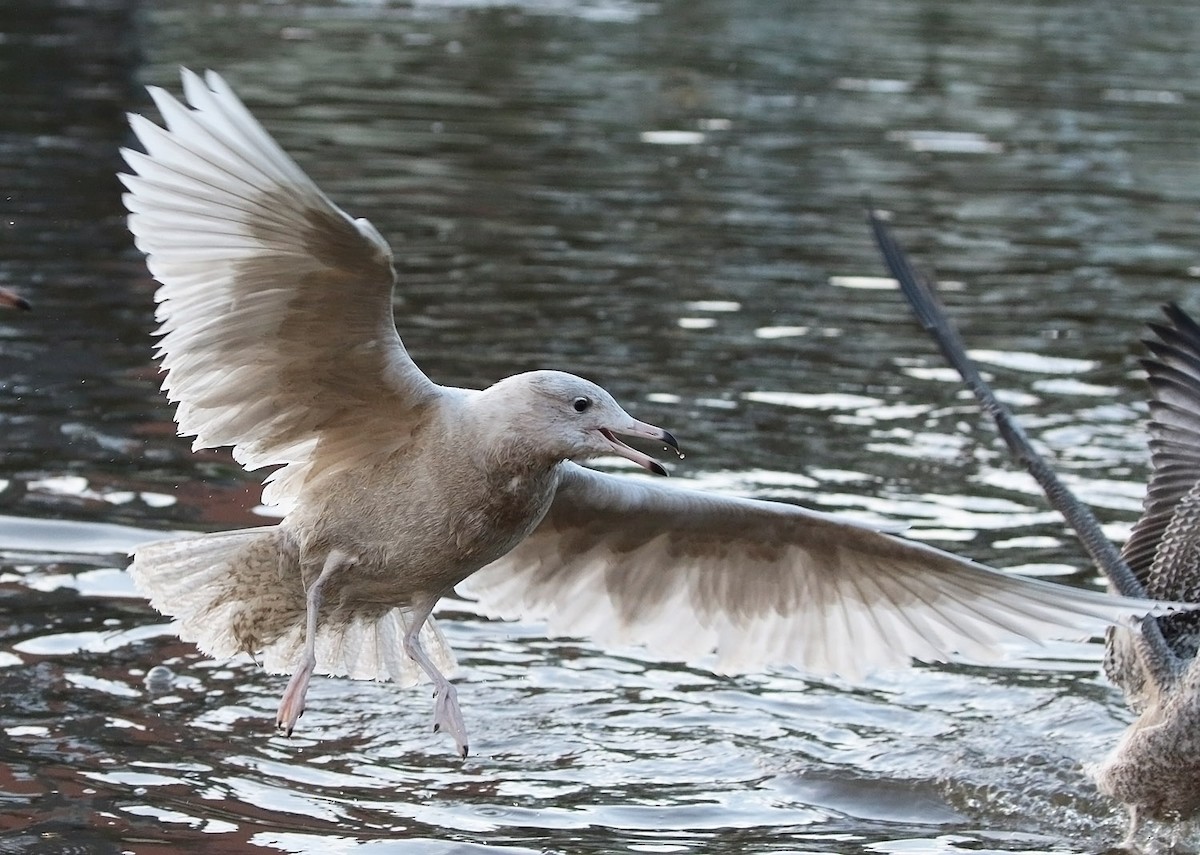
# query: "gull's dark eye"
{"type": "Point", "coordinates": [581, 404]}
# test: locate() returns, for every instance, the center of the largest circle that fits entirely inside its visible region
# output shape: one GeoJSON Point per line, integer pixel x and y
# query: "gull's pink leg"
{"type": "Point", "coordinates": [291, 705]}
{"type": "Point", "coordinates": [447, 717]}
{"type": "Point", "coordinates": [1135, 825]}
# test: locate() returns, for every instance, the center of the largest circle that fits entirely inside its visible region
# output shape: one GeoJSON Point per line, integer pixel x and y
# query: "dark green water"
{"type": "Point", "coordinates": [667, 198]}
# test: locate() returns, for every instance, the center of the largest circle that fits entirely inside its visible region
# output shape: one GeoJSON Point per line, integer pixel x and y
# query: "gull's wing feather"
{"type": "Point", "coordinates": [686, 573]}
{"type": "Point", "coordinates": [275, 307]}
{"type": "Point", "coordinates": [1160, 554]}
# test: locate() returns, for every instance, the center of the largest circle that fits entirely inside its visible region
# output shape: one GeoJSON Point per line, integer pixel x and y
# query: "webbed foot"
{"type": "Point", "coordinates": [291, 705]}
{"type": "Point", "coordinates": [447, 717]}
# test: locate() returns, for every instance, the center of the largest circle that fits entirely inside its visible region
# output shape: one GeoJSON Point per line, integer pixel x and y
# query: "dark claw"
{"type": "Point", "coordinates": [657, 468]}
{"type": "Point", "coordinates": [436, 728]}
{"type": "Point", "coordinates": [463, 753]}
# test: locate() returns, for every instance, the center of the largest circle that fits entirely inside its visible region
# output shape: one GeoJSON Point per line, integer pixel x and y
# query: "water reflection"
{"type": "Point", "coordinates": [665, 197]}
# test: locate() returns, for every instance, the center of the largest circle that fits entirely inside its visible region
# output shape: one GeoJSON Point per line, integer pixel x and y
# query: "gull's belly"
{"type": "Point", "coordinates": [414, 539]}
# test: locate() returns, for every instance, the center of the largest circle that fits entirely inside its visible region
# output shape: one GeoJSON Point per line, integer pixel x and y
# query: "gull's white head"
{"type": "Point", "coordinates": [572, 418]}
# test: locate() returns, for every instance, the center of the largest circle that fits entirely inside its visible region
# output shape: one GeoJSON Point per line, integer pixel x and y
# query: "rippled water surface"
{"type": "Point", "coordinates": [666, 197]}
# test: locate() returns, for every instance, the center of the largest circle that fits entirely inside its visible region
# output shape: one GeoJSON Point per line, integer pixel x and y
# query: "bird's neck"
{"type": "Point", "coordinates": [502, 442]}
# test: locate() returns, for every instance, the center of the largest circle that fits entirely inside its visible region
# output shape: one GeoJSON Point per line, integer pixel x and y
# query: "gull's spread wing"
{"type": "Point", "coordinates": [277, 330]}
{"type": "Point", "coordinates": [685, 573]}
{"type": "Point", "coordinates": [1161, 548]}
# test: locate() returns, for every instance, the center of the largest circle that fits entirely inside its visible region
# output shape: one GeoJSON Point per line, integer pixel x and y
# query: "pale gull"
{"type": "Point", "coordinates": [278, 339]}
{"type": "Point", "coordinates": [1155, 767]}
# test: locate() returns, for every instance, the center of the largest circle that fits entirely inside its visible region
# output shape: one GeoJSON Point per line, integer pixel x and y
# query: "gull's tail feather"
{"type": "Point", "coordinates": [241, 592]}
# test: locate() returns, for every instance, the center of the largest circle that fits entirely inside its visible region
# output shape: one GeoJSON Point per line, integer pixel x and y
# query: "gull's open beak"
{"type": "Point", "coordinates": [640, 429]}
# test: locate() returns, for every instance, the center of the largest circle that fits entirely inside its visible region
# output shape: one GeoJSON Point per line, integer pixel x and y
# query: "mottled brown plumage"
{"type": "Point", "coordinates": [1155, 768]}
